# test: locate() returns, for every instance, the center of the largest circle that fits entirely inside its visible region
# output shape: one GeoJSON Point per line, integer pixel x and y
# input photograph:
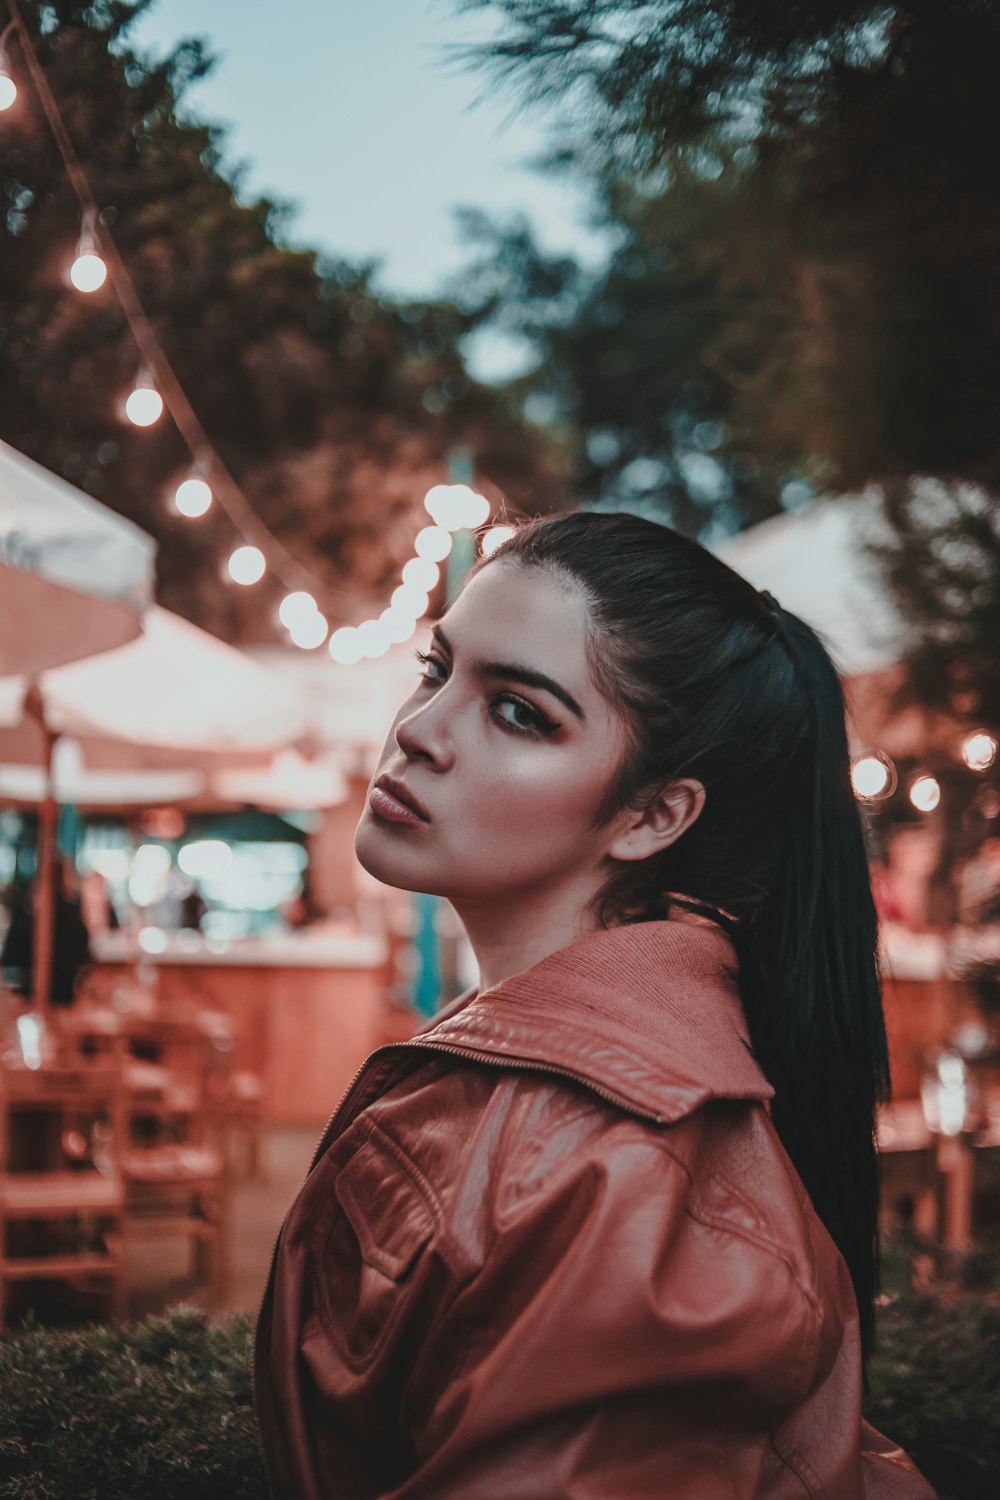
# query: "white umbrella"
{"type": "Point", "coordinates": [175, 688]}
{"type": "Point", "coordinates": [289, 783]}
{"type": "Point", "coordinates": [75, 577]}
{"type": "Point", "coordinates": [814, 561]}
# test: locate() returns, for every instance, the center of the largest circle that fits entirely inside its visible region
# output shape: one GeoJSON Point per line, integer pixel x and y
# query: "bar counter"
{"type": "Point", "coordinates": [307, 1007]}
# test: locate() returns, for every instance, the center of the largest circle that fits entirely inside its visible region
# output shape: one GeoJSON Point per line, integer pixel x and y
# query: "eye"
{"type": "Point", "coordinates": [427, 660]}
{"type": "Point", "coordinates": [536, 724]}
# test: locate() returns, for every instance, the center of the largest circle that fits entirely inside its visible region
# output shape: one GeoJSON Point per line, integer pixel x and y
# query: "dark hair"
{"type": "Point", "coordinates": [716, 682]}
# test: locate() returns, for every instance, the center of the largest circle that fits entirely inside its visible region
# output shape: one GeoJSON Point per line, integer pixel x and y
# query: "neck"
{"type": "Point", "coordinates": [508, 939]}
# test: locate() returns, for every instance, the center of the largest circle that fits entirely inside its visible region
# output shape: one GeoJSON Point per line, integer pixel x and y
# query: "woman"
{"type": "Point", "coordinates": [605, 1229]}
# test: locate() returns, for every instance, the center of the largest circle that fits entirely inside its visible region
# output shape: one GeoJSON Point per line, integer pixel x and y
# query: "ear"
{"type": "Point", "coordinates": [661, 823]}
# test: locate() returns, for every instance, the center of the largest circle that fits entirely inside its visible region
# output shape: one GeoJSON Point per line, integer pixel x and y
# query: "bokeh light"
{"type": "Point", "coordinates": [397, 625]}
{"type": "Point", "coordinates": [407, 600]}
{"type": "Point", "coordinates": [144, 406]}
{"type": "Point", "coordinates": [88, 272]}
{"type": "Point", "coordinates": [979, 751]}
{"type": "Point", "coordinates": [454, 507]}
{"type": "Point", "coordinates": [193, 497]}
{"type": "Point", "coordinates": [372, 638]}
{"type": "Point", "coordinates": [299, 605]}
{"type": "Point", "coordinates": [494, 538]}
{"type": "Point", "coordinates": [247, 565]}
{"type": "Point", "coordinates": [925, 793]}
{"type": "Point", "coordinates": [433, 542]}
{"type": "Point", "coordinates": [8, 90]}
{"type": "Point", "coordinates": [309, 631]}
{"type": "Point", "coordinates": [421, 573]}
{"type": "Point", "coordinates": [344, 646]}
{"type": "Point", "coordinates": [872, 776]}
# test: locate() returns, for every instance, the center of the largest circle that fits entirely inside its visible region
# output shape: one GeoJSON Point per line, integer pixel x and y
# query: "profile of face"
{"type": "Point", "coordinates": [510, 772]}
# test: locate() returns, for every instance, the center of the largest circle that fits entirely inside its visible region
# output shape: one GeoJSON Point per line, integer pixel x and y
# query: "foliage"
{"type": "Point", "coordinates": [333, 406]}
{"type": "Point", "coordinates": [804, 293]}
{"type": "Point", "coordinates": [162, 1409]}
{"type": "Point", "coordinates": [935, 1388]}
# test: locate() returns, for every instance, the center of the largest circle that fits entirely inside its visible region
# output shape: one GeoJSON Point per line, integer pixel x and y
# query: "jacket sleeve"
{"type": "Point", "coordinates": [612, 1346]}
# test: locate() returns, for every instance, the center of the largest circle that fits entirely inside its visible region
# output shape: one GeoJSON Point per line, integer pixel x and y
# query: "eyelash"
{"type": "Point", "coordinates": [543, 726]}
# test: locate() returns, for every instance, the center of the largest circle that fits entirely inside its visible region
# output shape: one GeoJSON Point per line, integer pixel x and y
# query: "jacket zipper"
{"type": "Point", "coordinates": [488, 1059]}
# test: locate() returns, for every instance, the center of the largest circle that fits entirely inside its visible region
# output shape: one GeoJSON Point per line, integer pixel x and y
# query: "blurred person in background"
{"type": "Point", "coordinates": [71, 953]}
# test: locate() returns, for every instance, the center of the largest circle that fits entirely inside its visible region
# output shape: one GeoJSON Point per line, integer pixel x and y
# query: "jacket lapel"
{"type": "Point", "coordinates": [649, 1013]}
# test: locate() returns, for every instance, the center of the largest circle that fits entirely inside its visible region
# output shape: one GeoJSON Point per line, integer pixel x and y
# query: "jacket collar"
{"type": "Point", "coordinates": [649, 1013]}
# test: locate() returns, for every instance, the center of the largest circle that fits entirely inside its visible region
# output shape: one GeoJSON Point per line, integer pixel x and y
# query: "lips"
{"type": "Point", "coordinates": [403, 794]}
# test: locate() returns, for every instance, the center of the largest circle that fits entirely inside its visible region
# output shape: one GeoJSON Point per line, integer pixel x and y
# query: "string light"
{"type": "Point", "coordinates": [452, 507]}
{"type": "Point", "coordinates": [873, 776]}
{"type": "Point", "coordinates": [344, 646]}
{"type": "Point", "coordinates": [8, 88]}
{"type": "Point", "coordinates": [193, 497]}
{"type": "Point", "coordinates": [433, 542]}
{"type": "Point", "coordinates": [456, 507]}
{"type": "Point", "coordinates": [144, 405]}
{"type": "Point", "coordinates": [979, 751]}
{"type": "Point", "coordinates": [247, 565]}
{"type": "Point", "coordinates": [297, 606]}
{"type": "Point", "coordinates": [309, 631]}
{"type": "Point", "coordinates": [88, 272]}
{"type": "Point", "coordinates": [925, 793]}
{"type": "Point", "coordinates": [495, 537]}
{"type": "Point", "coordinates": [420, 573]}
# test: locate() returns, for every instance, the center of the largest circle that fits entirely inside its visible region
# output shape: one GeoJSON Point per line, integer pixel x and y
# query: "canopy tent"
{"type": "Point", "coordinates": [75, 578]}
{"type": "Point", "coordinates": [175, 688]}
{"type": "Point", "coordinates": [814, 561]}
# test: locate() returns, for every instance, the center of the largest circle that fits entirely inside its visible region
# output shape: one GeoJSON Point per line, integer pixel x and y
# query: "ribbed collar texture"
{"type": "Point", "coordinates": [649, 1013]}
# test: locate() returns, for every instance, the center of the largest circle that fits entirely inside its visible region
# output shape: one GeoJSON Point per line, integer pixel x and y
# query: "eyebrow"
{"type": "Point", "coordinates": [514, 673]}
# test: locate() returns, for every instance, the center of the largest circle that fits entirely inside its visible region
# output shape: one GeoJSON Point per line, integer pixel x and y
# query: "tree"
{"type": "Point", "coordinates": [334, 407]}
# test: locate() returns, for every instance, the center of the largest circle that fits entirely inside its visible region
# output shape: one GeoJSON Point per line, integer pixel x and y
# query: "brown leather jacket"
{"type": "Point", "coordinates": [552, 1249]}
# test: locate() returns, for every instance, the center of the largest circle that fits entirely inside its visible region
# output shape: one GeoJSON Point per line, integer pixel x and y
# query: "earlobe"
{"type": "Point", "coordinates": [661, 823]}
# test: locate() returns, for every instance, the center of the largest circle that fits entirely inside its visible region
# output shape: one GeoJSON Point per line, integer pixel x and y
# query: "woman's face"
{"type": "Point", "coordinates": [510, 773]}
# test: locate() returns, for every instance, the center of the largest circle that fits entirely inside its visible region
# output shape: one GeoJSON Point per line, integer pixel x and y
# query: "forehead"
{"type": "Point", "coordinates": [527, 615]}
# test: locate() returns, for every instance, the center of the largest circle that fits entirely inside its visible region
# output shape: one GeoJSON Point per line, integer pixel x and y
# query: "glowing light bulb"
{"type": "Point", "coordinates": [344, 646]}
{"type": "Point", "coordinates": [454, 507]}
{"type": "Point", "coordinates": [407, 600]}
{"type": "Point", "coordinates": [870, 776]}
{"type": "Point", "coordinates": [309, 631]}
{"type": "Point", "coordinates": [433, 542]}
{"type": "Point", "coordinates": [421, 573]}
{"type": "Point", "coordinates": [247, 565]}
{"type": "Point", "coordinates": [192, 497]}
{"type": "Point", "coordinates": [8, 89]}
{"type": "Point", "coordinates": [372, 638]}
{"type": "Point", "coordinates": [88, 272]}
{"type": "Point", "coordinates": [925, 793]}
{"type": "Point", "coordinates": [144, 405]}
{"type": "Point", "coordinates": [298, 606]}
{"type": "Point", "coordinates": [494, 538]}
{"type": "Point", "coordinates": [397, 625]}
{"type": "Point", "coordinates": [979, 751]}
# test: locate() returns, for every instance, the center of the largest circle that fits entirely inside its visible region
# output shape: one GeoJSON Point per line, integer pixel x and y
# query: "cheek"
{"type": "Point", "coordinates": [536, 796]}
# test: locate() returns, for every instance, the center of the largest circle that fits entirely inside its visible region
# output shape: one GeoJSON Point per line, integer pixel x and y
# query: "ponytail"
{"type": "Point", "coordinates": [716, 682]}
{"type": "Point", "coordinates": [811, 984]}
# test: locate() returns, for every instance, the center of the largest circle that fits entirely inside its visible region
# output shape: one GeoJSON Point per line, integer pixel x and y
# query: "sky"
{"type": "Point", "coordinates": [353, 111]}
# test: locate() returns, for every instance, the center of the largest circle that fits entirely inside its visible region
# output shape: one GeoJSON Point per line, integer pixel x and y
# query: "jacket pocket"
{"type": "Point", "coordinates": [378, 1223]}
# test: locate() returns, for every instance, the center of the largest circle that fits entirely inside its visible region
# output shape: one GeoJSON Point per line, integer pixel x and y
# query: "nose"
{"type": "Point", "coordinates": [424, 734]}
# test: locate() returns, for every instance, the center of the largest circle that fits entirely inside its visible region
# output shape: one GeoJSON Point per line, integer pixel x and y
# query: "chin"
{"type": "Point", "coordinates": [385, 860]}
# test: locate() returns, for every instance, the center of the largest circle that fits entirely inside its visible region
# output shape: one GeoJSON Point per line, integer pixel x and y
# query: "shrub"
{"type": "Point", "coordinates": [935, 1389]}
{"type": "Point", "coordinates": [159, 1410]}
{"type": "Point", "coordinates": [164, 1409]}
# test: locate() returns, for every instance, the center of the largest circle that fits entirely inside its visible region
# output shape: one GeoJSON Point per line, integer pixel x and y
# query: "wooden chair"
{"type": "Point", "coordinates": [62, 1191]}
{"type": "Point", "coordinates": [174, 1163]}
